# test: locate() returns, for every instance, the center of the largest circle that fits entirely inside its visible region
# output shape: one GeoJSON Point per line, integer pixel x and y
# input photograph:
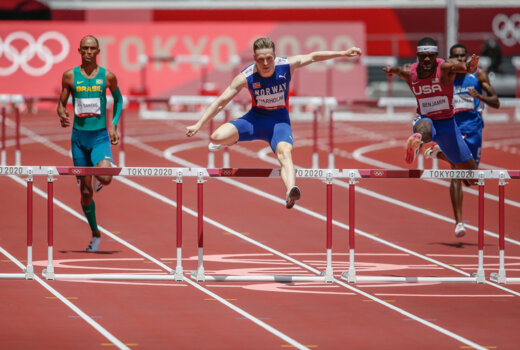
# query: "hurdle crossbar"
{"type": "Point", "coordinates": [202, 174]}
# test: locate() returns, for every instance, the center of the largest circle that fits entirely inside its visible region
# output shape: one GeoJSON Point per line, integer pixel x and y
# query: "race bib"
{"type": "Point", "coordinates": [87, 107]}
{"type": "Point", "coordinates": [433, 104]}
{"type": "Point", "coordinates": [272, 101]}
{"type": "Point", "coordinates": [463, 102]}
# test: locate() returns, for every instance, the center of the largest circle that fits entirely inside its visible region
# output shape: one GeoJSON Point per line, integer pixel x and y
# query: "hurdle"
{"type": "Point", "coordinates": [203, 174]}
{"type": "Point", "coordinates": [179, 174]}
{"type": "Point", "coordinates": [173, 173]}
{"type": "Point", "coordinates": [500, 275]}
{"type": "Point", "coordinates": [28, 172]}
{"type": "Point", "coordinates": [327, 175]}
{"type": "Point", "coordinates": [480, 175]}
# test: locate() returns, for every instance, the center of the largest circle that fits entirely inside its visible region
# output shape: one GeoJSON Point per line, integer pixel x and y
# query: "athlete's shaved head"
{"type": "Point", "coordinates": [89, 37]}
{"type": "Point", "coordinates": [263, 43]}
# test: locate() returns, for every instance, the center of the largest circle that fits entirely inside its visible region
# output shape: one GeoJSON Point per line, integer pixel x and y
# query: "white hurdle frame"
{"type": "Point", "coordinates": [478, 276]}
{"type": "Point", "coordinates": [500, 275]}
{"type": "Point", "coordinates": [327, 175]}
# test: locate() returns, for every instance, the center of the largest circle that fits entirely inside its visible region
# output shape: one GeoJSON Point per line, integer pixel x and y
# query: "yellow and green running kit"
{"type": "Point", "coordinates": [90, 142]}
{"type": "Point", "coordinates": [89, 100]}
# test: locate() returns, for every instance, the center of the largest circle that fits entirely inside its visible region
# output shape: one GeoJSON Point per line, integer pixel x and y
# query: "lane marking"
{"type": "Point", "coordinates": [68, 298]}
{"type": "Point", "coordinates": [127, 344]}
{"type": "Point", "coordinates": [78, 311]}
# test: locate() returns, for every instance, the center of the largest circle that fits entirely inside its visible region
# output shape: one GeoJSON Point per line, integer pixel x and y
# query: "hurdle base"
{"type": "Point", "coordinates": [29, 272]}
{"type": "Point", "coordinates": [198, 275]}
{"type": "Point", "coordinates": [513, 280]}
{"type": "Point", "coordinates": [327, 275]}
{"type": "Point", "coordinates": [349, 276]}
{"type": "Point", "coordinates": [179, 274]}
{"type": "Point", "coordinates": [48, 273]}
{"type": "Point", "coordinates": [12, 275]}
{"type": "Point", "coordinates": [498, 277]}
{"type": "Point", "coordinates": [479, 276]}
{"type": "Point", "coordinates": [345, 275]}
{"type": "Point", "coordinates": [114, 276]}
{"type": "Point", "coordinates": [282, 279]}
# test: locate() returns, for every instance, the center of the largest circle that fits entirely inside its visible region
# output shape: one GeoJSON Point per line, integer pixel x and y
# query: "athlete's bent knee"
{"type": "Point", "coordinates": [105, 180]}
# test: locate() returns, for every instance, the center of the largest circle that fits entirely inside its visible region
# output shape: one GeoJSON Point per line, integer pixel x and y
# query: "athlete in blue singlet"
{"type": "Point", "coordinates": [90, 141]}
{"type": "Point", "coordinates": [268, 82]}
{"type": "Point", "coordinates": [470, 94]}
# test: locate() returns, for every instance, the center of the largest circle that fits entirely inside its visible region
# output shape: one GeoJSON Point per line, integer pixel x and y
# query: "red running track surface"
{"type": "Point", "coordinates": [406, 229]}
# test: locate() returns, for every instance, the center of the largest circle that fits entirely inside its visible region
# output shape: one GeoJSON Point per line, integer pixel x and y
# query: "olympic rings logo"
{"type": "Point", "coordinates": [227, 172]}
{"type": "Point", "coordinates": [379, 172]}
{"type": "Point", "coordinates": [507, 28]}
{"type": "Point", "coordinates": [75, 171]}
{"type": "Point", "coordinates": [34, 47]}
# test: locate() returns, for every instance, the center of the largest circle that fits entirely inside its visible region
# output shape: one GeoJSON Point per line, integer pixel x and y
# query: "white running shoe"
{"type": "Point", "coordinates": [94, 244]}
{"type": "Point", "coordinates": [460, 230]}
{"type": "Point", "coordinates": [96, 184]}
{"type": "Point", "coordinates": [292, 196]}
{"type": "Point", "coordinates": [214, 148]}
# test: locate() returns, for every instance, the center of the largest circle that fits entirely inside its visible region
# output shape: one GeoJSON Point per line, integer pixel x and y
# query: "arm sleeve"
{"type": "Point", "coordinates": [118, 105]}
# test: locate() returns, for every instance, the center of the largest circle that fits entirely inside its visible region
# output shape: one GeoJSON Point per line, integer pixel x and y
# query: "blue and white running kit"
{"type": "Point", "coordinates": [268, 118]}
{"type": "Point", "coordinates": [468, 112]}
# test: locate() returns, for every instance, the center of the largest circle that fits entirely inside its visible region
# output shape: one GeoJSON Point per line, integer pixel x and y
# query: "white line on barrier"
{"type": "Point", "coordinates": [131, 183]}
{"type": "Point", "coordinates": [64, 300]}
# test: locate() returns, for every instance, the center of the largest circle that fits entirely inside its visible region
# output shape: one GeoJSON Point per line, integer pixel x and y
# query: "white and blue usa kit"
{"type": "Point", "coordinates": [468, 112]}
{"type": "Point", "coordinates": [268, 118]}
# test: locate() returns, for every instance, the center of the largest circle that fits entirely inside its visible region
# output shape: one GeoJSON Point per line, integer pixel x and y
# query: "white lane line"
{"type": "Point", "coordinates": [73, 307]}
{"type": "Point", "coordinates": [130, 183]}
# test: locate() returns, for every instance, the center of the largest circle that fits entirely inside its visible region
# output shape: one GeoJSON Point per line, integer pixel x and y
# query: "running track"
{"type": "Point", "coordinates": [404, 229]}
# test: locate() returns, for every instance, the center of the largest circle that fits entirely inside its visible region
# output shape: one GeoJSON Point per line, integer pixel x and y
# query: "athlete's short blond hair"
{"type": "Point", "coordinates": [263, 43]}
